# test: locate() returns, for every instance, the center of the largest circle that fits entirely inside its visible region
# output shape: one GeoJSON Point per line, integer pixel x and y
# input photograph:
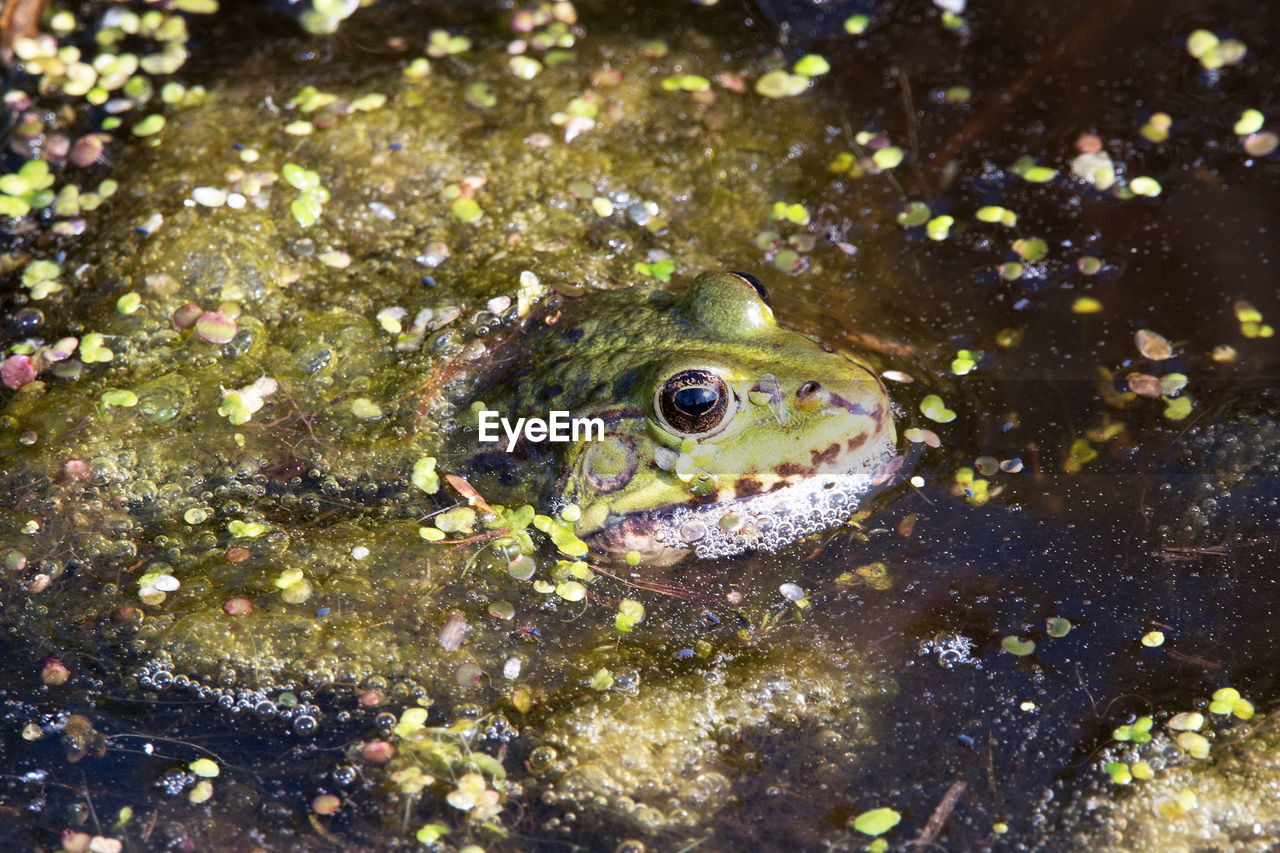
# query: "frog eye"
{"type": "Point", "coordinates": [694, 403]}
{"type": "Point", "coordinates": [755, 285]}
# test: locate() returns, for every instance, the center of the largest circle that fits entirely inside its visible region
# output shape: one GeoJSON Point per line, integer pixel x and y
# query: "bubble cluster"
{"type": "Point", "coordinates": [772, 520]}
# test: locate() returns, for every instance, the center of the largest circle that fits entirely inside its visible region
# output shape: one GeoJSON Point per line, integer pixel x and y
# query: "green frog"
{"type": "Point", "coordinates": [713, 430]}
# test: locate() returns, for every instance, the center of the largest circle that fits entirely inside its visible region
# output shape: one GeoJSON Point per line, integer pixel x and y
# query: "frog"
{"type": "Point", "coordinates": [719, 429]}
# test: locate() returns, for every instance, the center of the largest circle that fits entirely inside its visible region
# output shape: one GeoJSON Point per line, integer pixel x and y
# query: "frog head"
{"type": "Point", "coordinates": [735, 434]}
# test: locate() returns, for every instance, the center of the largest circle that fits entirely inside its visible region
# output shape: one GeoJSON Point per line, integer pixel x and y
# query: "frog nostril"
{"type": "Point", "coordinates": [807, 390]}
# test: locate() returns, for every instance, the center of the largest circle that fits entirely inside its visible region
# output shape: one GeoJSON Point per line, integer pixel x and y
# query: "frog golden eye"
{"type": "Point", "coordinates": [694, 403]}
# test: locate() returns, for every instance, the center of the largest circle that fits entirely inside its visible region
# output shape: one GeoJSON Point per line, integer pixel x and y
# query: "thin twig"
{"type": "Point", "coordinates": [940, 814]}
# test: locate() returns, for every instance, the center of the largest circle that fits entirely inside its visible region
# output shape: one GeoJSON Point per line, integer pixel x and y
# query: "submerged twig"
{"type": "Point", "coordinates": [940, 814]}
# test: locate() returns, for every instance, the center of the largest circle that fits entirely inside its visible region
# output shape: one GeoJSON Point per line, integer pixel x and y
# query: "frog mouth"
{"type": "Point", "coordinates": [763, 521]}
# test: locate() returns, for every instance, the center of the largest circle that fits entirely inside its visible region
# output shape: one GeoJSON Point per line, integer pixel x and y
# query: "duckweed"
{"type": "Point", "coordinates": [239, 405]}
{"type": "Point", "coordinates": [149, 126]}
{"type": "Point", "coordinates": [933, 408]}
{"type": "Point", "coordinates": [1010, 271]}
{"type": "Point", "coordinates": [424, 476]}
{"type": "Point", "coordinates": [1145, 186]}
{"type": "Point", "coordinates": [461, 519]}
{"type": "Point", "coordinates": [939, 227]}
{"type": "Point", "coordinates": [431, 833]}
{"type": "Point", "coordinates": [205, 768]}
{"type": "Point", "coordinates": [1095, 168]}
{"type": "Point", "coordinates": [686, 83]}
{"type": "Point", "coordinates": [246, 529]}
{"type": "Point", "coordinates": [793, 213]}
{"type": "Point", "coordinates": [915, 213]}
{"type": "Point", "coordinates": [1157, 127]}
{"type": "Point", "coordinates": [630, 614]}
{"type": "Point", "coordinates": [93, 349]}
{"type": "Point", "coordinates": [129, 303]}
{"type": "Point", "coordinates": [856, 25]}
{"type": "Point", "coordinates": [1015, 645]}
{"type": "Point", "coordinates": [1178, 408]}
{"type": "Point", "coordinates": [1194, 744]}
{"type": "Point", "coordinates": [1031, 249]}
{"type": "Point", "coordinates": [1250, 121]}
{"type": "Point", "coordinates": [661, 270]}
{"type": "Point", "coordinates": [1057, 627]}
{"type": "Point", "coordinates": [888, 158]}
{"type": "Point", "coordinates": [119, 398]}
{"type": "Point", "coordinates": [1212, 52]}
{"type": "Point", "coordinates": [1224, 700]}
{"type": "Point", "coordinates": [1178, 807]}
{"type": "Point", "coordinates": [1260, 144]}
{"type": "Point", "coordinates": [1139, 731]}
{"type": "Point", "coordinates": [365, 409]}
{"type": "Point", "coordinates": [441, 43]}
{"type": "Point", "coordinates": [966, 361]}
{"type": "Point", "coordinates": [466, 210]}
{"type": "Point", "coordinates": [26, 189]}
{"type": "Point", "coordinates": [995, 213]}
{"type": "Point", "coordinates": [1089, 265]}
{"type": "Point", "coordinates": [1027, 169]}
{"type": "Point", "coordinates": [811, 65]}
{"type": "Point", "coordinates": [781, 84]}
{"type": "Point", "coordinates": [1119, 772]}
{"type": "Point", "coordinates": [877, 821]}
{"type": "Point", "coordinates": [1250, 319]}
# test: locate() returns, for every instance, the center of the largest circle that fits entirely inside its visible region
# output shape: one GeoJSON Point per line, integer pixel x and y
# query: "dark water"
{"type": "Point", "coordinates": [1096, 547]}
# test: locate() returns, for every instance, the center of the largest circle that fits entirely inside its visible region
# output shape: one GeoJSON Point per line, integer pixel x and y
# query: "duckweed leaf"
{"type": "Point", "coordinates": [877, 821]}
{"type": "Point", "coordinates": [1015, 645]}
{"type": "Point", "coordinates": [1057, 627]}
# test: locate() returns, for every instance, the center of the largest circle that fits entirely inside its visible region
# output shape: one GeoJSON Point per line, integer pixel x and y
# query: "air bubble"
{"type": "Point", "coordinates": [693, 531]}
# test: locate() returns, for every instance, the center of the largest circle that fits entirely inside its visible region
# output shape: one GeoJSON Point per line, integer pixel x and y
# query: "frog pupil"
{"type": "Point", "coordinates": [696, 401]}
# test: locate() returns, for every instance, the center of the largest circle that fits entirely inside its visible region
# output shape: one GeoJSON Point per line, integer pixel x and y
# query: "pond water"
{"type": "Point", "coordinates": [1080, 549]}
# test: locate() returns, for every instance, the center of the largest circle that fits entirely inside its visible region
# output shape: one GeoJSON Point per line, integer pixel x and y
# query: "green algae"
{"type": "Point", "coordinates": [666, 764]}
{"type": "Point", "coordinates": [255, 431]}
{"type": "Point", "coordinates": [1188, 803]}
